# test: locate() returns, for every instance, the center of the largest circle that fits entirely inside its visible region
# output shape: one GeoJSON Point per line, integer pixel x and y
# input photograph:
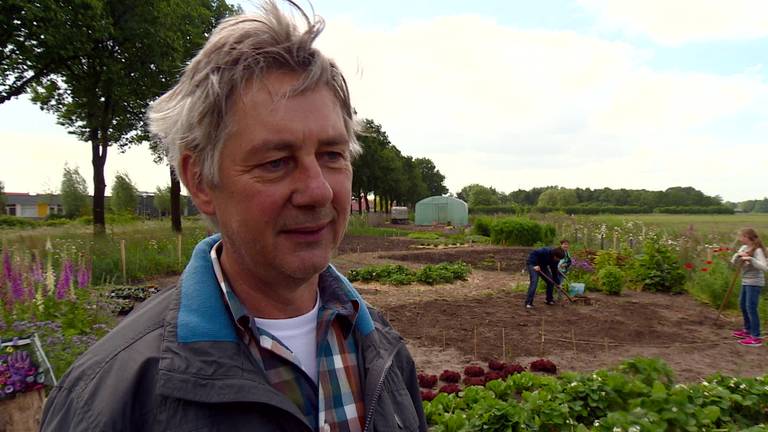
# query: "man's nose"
{"type": "Point", "coordinates": [312, 188]}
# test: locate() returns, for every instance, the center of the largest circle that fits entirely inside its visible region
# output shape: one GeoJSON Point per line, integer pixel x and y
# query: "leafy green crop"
{"type": "Point", "coordinates": [638, 396]}
{"type": "Point", "coordinates": [395, 274]}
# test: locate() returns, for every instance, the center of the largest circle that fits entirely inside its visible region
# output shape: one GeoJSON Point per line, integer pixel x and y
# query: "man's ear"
{"type": "Point", "coordinates": [192, 176]}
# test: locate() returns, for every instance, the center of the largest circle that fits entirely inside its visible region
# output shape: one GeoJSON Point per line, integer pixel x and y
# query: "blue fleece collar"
{"type": "Point", "coordinates": [202, 314]}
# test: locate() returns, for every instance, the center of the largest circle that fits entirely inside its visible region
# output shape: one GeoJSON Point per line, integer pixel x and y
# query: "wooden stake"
{"type": "Point", "coordinates": [503, 346]}
{"type": "Point", "coordinates": [122, 259]}
{"type": "Point", "coordinates": [709, 254]}
{"type": "Point", "coordinates": [541, 351]}
{"type": "Point", "coordinates": [606, 343]}
{"type": "Point", "coordinates": [615, 241]}
{"type": "Point", "coordinates": [498, 266]}
{"type": "Point", "coordinates": [475, 331]}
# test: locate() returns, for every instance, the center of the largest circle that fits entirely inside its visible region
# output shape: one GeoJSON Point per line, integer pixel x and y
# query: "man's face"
{"type": "Point", "coordinates": [285, 179]}
{"type": "Point", "coordinates": [565, 246]}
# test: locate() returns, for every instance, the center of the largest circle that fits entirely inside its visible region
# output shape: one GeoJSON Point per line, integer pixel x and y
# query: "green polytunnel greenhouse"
{"type": "Point", "coordinates": [442, 210]}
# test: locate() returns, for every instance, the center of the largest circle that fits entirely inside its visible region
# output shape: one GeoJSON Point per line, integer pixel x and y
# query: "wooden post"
{"type": "Point", "coordinates": [586, 238]}
{"type": "Point", "coordinates": [615, 241]}
{"type": "Point", "coordinates": [475, 331]}
{"type": "Point", "coordinates": [541, 350]}
{"type": "Point", "coordinates": [606, 343]}
{"type": "Point", "coordinates": [498, 265]}
{"type": "Point", "coordinates": [709, 254]}
{"type": "Point", "coordinates": [503, 346]}
{"type": "Point", "coordinates": [602, 241]}
{"type": "Point", "coordinates": [122, 260]}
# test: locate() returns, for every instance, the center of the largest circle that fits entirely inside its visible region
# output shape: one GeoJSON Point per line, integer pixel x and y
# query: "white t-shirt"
{"type": "Point", "coordinates": [299, 334]}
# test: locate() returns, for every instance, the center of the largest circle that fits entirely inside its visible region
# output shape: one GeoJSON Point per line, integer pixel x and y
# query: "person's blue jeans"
{"type": "Point", "coordinates": [748, 300]}
{"type": "Point", "coordinates": [534, 275]}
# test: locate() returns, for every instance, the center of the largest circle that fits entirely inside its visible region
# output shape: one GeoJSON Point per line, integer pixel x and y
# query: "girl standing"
{"type": "Point", "coordinates": [751, 258]}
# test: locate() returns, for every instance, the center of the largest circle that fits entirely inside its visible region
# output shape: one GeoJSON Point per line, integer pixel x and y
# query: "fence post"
{"type": "Point", "coordinates": [122, 260]}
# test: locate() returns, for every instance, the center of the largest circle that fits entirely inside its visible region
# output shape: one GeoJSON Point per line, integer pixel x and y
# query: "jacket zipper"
{"type": "Point", "coordinates": [379, 388]}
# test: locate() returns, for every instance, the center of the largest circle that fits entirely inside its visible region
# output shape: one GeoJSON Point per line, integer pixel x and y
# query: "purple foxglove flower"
{"type": "Point", "coordinates": [65, 281]}
{"type": "Point", "coordinates": [83, 276]}
{"type": "Point", "coordinates": [17, 286]}
{"type": "Point", "coordinates": [37, 272]}
{"type": "Point", "coordinates": [7, 268]}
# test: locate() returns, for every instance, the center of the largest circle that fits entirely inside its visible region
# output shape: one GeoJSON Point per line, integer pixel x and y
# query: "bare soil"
{"type": "Point", "coordinates": [473, 321]}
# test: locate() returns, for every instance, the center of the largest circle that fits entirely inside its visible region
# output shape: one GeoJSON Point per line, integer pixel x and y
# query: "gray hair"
{"type": "Point", "coordinates": [193, 116]}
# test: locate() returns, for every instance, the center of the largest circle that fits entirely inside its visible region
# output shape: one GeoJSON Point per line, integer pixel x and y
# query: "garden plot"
{"type": "Point", "coordinates": [447, 326]}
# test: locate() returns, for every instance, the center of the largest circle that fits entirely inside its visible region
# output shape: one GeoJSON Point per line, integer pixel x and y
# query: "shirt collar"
{"type": "Point", "coordinates": [334, 295]}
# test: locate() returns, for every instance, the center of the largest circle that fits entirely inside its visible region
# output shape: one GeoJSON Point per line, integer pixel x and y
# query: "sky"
{"type": "Point", "coordinates": [517, 94]}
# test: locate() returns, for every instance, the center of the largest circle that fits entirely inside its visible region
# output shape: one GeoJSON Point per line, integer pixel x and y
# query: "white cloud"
{"type": "Point", "coordinates": [520, 108]}
{"type": "Point", "coordinates": [676, 22]}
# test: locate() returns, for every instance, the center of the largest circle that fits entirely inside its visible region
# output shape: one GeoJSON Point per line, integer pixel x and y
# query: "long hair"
{"type": "Point", "coordinates": [751, 234]}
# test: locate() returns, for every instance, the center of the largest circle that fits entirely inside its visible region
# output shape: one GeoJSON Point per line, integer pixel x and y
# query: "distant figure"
{"type": "Point", "coordinates": [751, 257]}
{"type": "Point", "coordinates": [544, 261]}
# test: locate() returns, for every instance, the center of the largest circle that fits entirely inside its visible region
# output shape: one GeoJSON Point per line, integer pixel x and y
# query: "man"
{"type": "Point", "coordinates": [544, 262]}
{"type": "Point", "coordinates": [261, 333]}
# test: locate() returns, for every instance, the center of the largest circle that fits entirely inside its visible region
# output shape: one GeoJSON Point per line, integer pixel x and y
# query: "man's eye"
{"type": "Point", "coordinates": [333, 156]}
{"type": "Point", "coordinates": [275, 165]}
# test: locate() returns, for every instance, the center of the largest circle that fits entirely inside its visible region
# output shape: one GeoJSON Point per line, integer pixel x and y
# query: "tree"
{"type": "Point", "coordinates": [74, 193]}
{"type": "Point", "coordinates": [2, 198]}
{"type": "Point", "coordinates": [433, 179]}
{"type": "Point", "coordinates": [478, 195]}
{"type": "Point", "coordinates": [162, 199]}
{"type": "Point", "coordinates": [96, 64]}
{"type": "Point", "coordinates": [558, 197]}
{"type": "Point", "coordinates": [125, 196]}
{"type": "Point", "coordinates": [761, 206]}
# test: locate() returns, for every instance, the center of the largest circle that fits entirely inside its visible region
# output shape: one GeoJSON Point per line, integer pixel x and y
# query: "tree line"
{"type": "Point", "coordinates": [673, 200]}
{"type": "Point", "coordinates": [390, 176]}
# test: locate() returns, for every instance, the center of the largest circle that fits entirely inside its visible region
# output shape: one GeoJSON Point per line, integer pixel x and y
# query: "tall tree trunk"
{"type": "Point", "coordinates": [98, 160]}
{"type": "Point", "coordinates": [367, 204]}
{"type": "Point", "coordinates": [175, 202]}
{"type": "Point", "coordinates": [375, 200]}
{"type": "Point", "coordinates": [360, 204]}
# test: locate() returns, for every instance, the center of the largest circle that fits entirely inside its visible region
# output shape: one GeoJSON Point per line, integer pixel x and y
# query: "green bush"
{"type": "Point", "coordinates": [421, 235]}
{"type": "Point", "coordinates": [709, 283]}
{"type": "Point", "coordinates": [396, 274]}
{"type": "Point", "coordinates": [611, 280]}
{"type": "Point", "coordinates": [657, 269]}
{"type": "Point", "coordinates": [482, 226]}
{"type": "Point", "coordinates": [521, 232]}
{"type": "Point", "coordinates": [17, 222]}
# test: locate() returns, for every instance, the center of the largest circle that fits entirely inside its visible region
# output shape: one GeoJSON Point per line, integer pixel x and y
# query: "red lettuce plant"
{"type": "Point", "coordinates": [496, 365]}
{"type": "Point", "coordinates": [474, 381]}
{"type": "Point", "coordinates": [474, 371]}
{"type": "Point", "coordinates": [512, 369]}
{"type": "Point", "coordinates": [543, 365]}
{"type": "Point", "coordinates": [450, 376]}
{"type": "Point", "coordinates": [450, 389]}
{"type": "Point", "coordinates": [427, 381]}
{"type": "Point", "coordinates": [428, 395]}
{"type": "Point", "coordinates": [492, 375]}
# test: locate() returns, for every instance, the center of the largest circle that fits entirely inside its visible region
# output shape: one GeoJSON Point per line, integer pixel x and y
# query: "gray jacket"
{"type": "Point", "coordinates": [752, 270]}
{"type": "Point", "coordinates": [177, 364]}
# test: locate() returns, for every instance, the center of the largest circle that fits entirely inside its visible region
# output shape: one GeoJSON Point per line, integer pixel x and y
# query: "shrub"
{"type": "Point", "coordinates": [710, 281]}
{"type": "Point", "coordinates": [16, 222]}
{"type": "Point", "coordinates": [400, 275]}
{"type": "Point", "coordinates": [482, 226]}
{"type": "Point", "coordinates": [611, 280]}
{"type": "Point", "coordinates": [521, 232]}
{"type": "Point", "coordinates": [657, 269]}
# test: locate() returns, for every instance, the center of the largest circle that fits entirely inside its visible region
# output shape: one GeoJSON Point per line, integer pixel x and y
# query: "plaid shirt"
{"type": "Point", "coordinates": [335, 403]}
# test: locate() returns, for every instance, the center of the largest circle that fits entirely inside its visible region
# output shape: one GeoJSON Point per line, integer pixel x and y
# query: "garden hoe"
{"type": "Point", "coordinates": [562, 290]}
{"type": "Point", "coordinates": [728, 293]}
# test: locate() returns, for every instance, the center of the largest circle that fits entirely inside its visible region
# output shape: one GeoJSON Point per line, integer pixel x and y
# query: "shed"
{"type": "Point", "coordinates": [442, 210]}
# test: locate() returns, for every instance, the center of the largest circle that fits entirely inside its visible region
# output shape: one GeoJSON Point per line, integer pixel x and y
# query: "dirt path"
{"type": "Point", "coordinates": [439, 324]}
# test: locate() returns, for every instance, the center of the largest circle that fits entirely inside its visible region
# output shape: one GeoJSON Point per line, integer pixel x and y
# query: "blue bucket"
{"type": "Point", "coordinates": [576, 288]}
